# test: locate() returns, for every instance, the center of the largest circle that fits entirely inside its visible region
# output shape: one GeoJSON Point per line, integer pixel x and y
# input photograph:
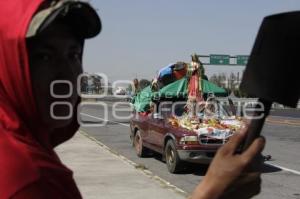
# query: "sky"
{"type": "Point", "coordinates": [139, 37]}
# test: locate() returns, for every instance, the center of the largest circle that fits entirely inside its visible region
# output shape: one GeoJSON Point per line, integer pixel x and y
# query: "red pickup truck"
{"type": "Point", "coordinates": [176, 144]}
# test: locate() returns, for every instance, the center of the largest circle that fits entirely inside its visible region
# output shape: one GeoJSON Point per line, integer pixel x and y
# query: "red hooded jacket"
{"type": "Point", "coordinates": [28, 168]}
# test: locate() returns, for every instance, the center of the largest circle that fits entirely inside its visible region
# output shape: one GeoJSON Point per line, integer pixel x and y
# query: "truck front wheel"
{"type": "Point", "coordinates": [173, 161]}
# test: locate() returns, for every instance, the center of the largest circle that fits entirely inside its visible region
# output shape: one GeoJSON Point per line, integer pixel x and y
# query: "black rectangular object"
{"type": "Point", "coordinates": [272, 72]}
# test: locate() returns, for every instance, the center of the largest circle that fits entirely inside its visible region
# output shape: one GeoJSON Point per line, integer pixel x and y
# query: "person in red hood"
{"type": "Point", "coordinates": [40, 42]}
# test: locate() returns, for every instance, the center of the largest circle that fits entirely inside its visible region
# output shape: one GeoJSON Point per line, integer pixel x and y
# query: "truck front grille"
{"type": "Point", "coordinates": [207, 140]}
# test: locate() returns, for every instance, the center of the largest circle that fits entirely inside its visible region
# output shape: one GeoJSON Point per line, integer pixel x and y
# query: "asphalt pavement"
{"type": "Point", "coordinates": [281, 175]}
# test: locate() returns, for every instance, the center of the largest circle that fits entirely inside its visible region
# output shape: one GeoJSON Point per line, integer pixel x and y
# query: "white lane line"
{"type": "Point", "coordinates": [127, 125]}
{"type": "Point", "coordinates": [283, 168]}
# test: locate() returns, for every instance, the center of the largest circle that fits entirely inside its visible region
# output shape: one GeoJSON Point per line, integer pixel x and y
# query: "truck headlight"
{"type": "Point", "coordinates": [192, 139]}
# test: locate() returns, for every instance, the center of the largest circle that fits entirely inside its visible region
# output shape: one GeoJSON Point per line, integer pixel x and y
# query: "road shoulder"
{"type": "Point", "coordinates": [102, 173]}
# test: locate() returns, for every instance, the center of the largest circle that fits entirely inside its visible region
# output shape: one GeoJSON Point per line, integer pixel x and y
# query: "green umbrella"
{"type": "Point", "coordinates": [179, 88]}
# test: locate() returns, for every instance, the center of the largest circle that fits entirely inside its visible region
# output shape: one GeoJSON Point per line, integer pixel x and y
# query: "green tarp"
{"type": "Point", "coordinates": [141, 101]}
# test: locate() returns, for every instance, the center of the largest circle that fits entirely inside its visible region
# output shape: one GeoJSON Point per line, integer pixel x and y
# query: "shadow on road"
{"type": "Point", "coordinates": [200, 169]}
{"type": "Point", "coordinates": [194, 169]}
{"type": "Point", "coordinates": [187, 168]}
{"type": "Point", "coordinates": [270, 169]}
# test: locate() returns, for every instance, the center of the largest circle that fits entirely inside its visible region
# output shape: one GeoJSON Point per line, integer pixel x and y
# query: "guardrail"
{"type": "Point", "coordinates": [112, 98]}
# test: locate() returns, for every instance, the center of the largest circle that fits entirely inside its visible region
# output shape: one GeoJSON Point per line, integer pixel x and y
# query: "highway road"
{"type": "Point", "coordinates": [281, 175]}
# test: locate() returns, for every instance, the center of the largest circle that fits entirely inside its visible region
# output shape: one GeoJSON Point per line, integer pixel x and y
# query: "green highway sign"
{"type": "Point", "coordinates": [219, 59]}
{"type": "Point", "coordinates": [242, 59]}
{"type": "Point", "coordinates": [225, 60]}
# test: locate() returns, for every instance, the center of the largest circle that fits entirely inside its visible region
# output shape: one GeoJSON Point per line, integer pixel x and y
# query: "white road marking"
{"type": "Point", "coordinates": [283, 168]}
{"type": "Point", "coordinates": [127, 125]}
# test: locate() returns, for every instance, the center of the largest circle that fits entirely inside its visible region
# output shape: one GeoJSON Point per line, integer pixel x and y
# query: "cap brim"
{"type": "Point", "coordinates": [83, 19]}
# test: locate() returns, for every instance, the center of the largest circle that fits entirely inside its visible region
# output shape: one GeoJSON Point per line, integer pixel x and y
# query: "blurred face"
{"type": "Point", "coordinates": [55, 54]}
